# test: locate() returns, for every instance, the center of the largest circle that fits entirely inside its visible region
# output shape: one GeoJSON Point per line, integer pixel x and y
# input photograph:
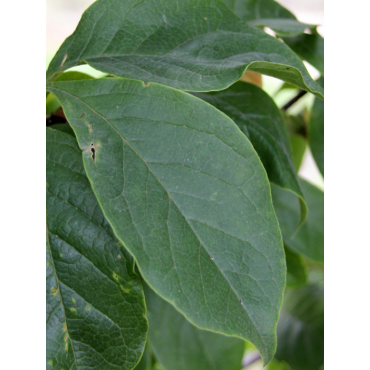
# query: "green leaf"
{"type": "Point", "coordinates": [146, 362]}
{"type": "Point", "coordinates": [178, 181]}
{"type": "Point", "coordinates": [298, 145]}
{"type": "Point", "coordinates": [267, 13]}
{"type": "Point", "coordinates": [297, 129]}
{"type": "Point", "coordinates": [309, 239]}
{"type": "Point", "coordinates": [278, 365]}
{"type": "Point", "coordinates": [73, 76]}
{"type": "Point", "coordinates": [309, 47]}
{"type": "Point", "coordinates": [316, 133]}
{"type": "Point", "coordinates": [296, 269]}
{"type": "Point", "coordinates": [177, 344]}
{"type": "Point", "coordinates": [95, 304]}
{"type": "Point", "coordinates": [301, 328]}
{"type": "Point", "coordinates": [52, 103]}
{"type": "Point", "coordinates": [194, 45]}
{"type": "Point", "coordinates": [259, 118]}
{"type": "Point", "coordinates": [64, 127]}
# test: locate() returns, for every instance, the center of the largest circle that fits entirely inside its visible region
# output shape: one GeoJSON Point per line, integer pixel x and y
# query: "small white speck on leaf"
{"type": "Point", "coordinates": [64, 59]}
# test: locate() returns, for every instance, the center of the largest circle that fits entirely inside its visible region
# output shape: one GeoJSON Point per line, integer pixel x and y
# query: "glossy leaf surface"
{"type": "Point", "coordinates": [95, 304]}
{"type": "Point", "coordinates": [301, 328]}
{"type": "Point", "coordinates": [194, 45]}
{"type": "Point", "coordinates": [180, 345]}
{"type": "Point", "coordinates": [309, 239]}
{"type": "Point", "coordinates": [267, 13]}
{"type": "Point", "coordinates": [309, 47]}
{"type": "Point", "coordinates": [260, 120]}
{"type": "Point", "coordinates": [178, 181]}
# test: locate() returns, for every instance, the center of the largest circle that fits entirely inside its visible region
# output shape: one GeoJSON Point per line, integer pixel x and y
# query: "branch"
{"type": "Point", "coordinates": [294, 100]}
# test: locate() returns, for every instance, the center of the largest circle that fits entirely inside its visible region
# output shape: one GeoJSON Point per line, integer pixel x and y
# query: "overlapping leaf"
{"type": "Point", "coordinates": [52, 103]}
{"type": "Point", "coordinates": [178, 182]}
{"type": "Point", "coordinates": [268, 13]}
{"type": "Point", "coordinates": [194, 45]}
{"type": "Point", "coordinates": [95, 303]}
{"type": "Point", "coordinates": [259, 118]}
{"type": "Point", "coordinates": [146, 362]}
{"type": "Point", "coordinates": [309, 240]}
{"type": "Point", "coordinates": [301, 328]}
{"type": "Point", "coordinates": [178, 344]}
{"type": "Point", "coordinates": [309, 47]}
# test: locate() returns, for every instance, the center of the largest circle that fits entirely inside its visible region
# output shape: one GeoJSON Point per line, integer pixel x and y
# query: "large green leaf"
{"type": "Point", "coordinates": [309, 47]}
{"type": "Point", "coordinates": [95, 304]}
{"type": "Point", "coordinates": [267, 13]}
{"type": "Point", "coordinates": [259, 118]}
{"type": "Point", "coordinates": [178, 182]}
{"type": "Point", "coordinates": [316, 133]}
{"type": "Point", "coordinates": [296, 268]}
{"type": "Point", "coordinates": [195, 45]}
{"type": "Point", "coordinates": [309, 239]}
{"type": "Point", "coordinates": [178, 344]}
{"type": "Point", "coordinates": [301, 328]}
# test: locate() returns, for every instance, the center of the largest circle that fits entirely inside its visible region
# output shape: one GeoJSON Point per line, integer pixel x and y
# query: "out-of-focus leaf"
{"type": "Point", "coordinates": [260, 119]}
{"type": "Point", "coordinates": [301, 328]}
{"type": "Point", "coordinates": [52, 104]}
{"type": "Point", "coordinates": [309, 47]}
{"type": "Point", "coordinates": [178, 181]}
{"type": "Point", "coordinates": [95, 302]}
{"type": "Point", "coordinates": [64, 127]}
{"type": "Point", "coordinates": [316, 133]}
{"type": "Point", "coordinates": [194, 45]}
{"type": "Point", "coordinates": [298, 145]}
{"type": "Point", "coordinates": [268, 13]}
{"type": "Point", "coordinates": [296, 268]}
{"type": "Point", "coordinates": [278, 365]}
{"type": "Point", "coordinates": [180, 345]}
{"type": "Point", "coordinates": [309, 239]}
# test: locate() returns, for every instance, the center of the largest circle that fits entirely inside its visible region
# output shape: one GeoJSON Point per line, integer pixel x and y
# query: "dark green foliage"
{"type": "Point", "coordinates": [197, 193]}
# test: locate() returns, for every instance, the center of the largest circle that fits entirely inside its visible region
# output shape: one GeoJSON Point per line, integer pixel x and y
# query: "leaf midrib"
{"type": "Point", "coordinates": [150, 170]}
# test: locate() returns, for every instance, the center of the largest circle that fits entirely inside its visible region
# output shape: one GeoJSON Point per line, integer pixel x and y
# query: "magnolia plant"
{"type": "Point", "coordinates": [179, 234]}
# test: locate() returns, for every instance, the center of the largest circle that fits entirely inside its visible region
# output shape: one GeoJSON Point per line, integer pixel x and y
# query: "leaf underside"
{"type": "Point", "coordinates": [260, 120]}
{"type": "Point", "coordinates": [95, 303]}
{"type": "Point", "coordinates": [178, 344]}
{"type": "Point", "coordinates": [178, 182]}
{"type": "Point", "coordinates": [194, 45]}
